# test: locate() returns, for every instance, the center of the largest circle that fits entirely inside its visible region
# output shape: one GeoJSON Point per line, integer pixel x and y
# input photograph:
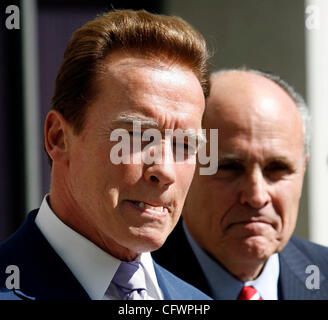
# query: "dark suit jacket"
{"type": "Point", "coordinates": [44, 275]}
{"type": "Point", "coordinates": [294, 259]}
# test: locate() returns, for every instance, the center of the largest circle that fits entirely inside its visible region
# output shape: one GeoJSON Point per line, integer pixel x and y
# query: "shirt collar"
{"type": "Point", "coordinates": [225, 286]}
{"type": "Point", "coordinates": [267, 282]}
{"type": "Point", "coordinates": [93, 267]}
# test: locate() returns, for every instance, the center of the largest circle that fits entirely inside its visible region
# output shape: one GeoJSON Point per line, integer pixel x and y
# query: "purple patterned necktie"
{"type": "Point", "coordinates": [130, 281]}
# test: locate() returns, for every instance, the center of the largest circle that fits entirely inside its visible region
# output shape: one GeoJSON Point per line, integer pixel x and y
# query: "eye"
{"type": "Point", "coordinates": [277, 169]}
{"type": "Point", "coordinates": [229, 169]}
{"type": "Point", "coordinates": [277, 166]}
{"type": "Point", "coordinates": [183, 145]}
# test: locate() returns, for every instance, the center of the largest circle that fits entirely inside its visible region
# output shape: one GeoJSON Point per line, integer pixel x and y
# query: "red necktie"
{"type": "Point", "coordinates": [249, 293]}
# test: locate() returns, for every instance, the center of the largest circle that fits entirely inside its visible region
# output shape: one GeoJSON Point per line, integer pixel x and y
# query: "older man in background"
{"type": "Point", "coordinates": [237, 224]}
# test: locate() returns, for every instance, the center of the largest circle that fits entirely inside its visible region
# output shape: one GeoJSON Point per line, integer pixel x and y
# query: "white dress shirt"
{"type": "Point", "coordinates": [93, 267]}
{"type": "Point", "coordinates": [225, 286]}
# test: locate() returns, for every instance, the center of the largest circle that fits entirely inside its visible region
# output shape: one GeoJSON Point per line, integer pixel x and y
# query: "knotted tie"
{"type": "Point", "coordinates": [130, 281]}
{"type": "Point", "coordinates": [249, 293]}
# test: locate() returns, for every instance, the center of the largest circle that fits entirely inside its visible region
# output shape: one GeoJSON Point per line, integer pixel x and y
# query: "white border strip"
{"type": "Point", "coordinates": [32, 129]}
{"type": "Point", "coordinates": [316, 23]}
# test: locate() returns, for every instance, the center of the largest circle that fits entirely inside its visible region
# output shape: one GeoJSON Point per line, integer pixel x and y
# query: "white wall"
{"type": "Point", "coordinates": [317, 91]}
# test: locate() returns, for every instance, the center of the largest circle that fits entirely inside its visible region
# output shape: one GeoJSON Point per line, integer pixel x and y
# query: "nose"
{"type": "Point", "coordinates": [254, 190]}
{"type": "Point", "coordinates": [161, 171]}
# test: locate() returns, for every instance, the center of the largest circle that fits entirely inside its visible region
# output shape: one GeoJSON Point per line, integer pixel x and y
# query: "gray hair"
{"type": "Point", "coordinates": [295, 96]}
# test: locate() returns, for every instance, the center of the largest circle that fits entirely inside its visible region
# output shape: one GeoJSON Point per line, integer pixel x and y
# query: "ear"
{"type": "Point", "coordinates": [307, 158]}
{"type": "Point", "coordinates": [306, 161]}
{"type": "Point", "coordinates": [56, 135]}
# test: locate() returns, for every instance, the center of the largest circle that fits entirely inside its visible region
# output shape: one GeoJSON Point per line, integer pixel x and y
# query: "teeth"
{"type": "Point", "coordinates": [147, 206]}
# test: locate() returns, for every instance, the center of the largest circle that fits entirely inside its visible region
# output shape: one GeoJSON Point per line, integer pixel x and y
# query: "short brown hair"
{"type": "Point", "coordinates": [151, 35]}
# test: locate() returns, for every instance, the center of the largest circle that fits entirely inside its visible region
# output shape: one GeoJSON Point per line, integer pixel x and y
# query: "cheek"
{"type": "Point", "coordinates": [184, 176]}
{"type": "Point", "coordinates": [210, 198]}
{"type": "Point", "coordinates": [286, 201]}
{"type": "Point", "coordinates": [222, 194]}
{"type": "Point", "coordinates": [89, 159]}
{"type": "Point", "coordinates": [287, 209]}
{"type": "Point", "coordinates": [129, 173]}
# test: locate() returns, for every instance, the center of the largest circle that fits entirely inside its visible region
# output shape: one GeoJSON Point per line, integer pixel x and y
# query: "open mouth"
{"type": "Point", "coordinates": [144, 205]}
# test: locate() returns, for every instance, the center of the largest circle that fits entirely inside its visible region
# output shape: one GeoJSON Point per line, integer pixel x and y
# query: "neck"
{"type": "Point", "coordinates": [244, 270]}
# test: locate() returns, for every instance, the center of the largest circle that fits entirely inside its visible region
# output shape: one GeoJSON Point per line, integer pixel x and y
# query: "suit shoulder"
{"type": "Point", "coordinates": [316, 253]}
{"type": "Point", "coordinates": [9, 295]}
{"type": "Point", "coordinates": [310, 248]}
{"type": "Point", "coordinates": [184, 290]}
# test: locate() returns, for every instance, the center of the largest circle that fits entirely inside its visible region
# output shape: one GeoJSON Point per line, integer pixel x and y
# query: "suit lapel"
{"type": "Point", "coordinates": [292, 279]}
{"type": "Point", "coordinates": [173, 256]}
{"type": "Point", "coordinates": [43, 274]}
{"type": "Point", "coordinates": [168, 289]}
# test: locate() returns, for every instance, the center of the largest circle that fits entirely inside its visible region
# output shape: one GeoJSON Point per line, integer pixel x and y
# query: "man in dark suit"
{"type": "Point", "coordinates": [235, 236]}
{"type": "Point", "coordinates": [122, 73]}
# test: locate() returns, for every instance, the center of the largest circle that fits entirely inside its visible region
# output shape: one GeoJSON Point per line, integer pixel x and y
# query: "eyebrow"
{"type": "Point", "coordinates": [130, 119]}
{"type": "Point", "coordinates": [240, 158]}
{"type": "Point", "coordinates": [230, 156]}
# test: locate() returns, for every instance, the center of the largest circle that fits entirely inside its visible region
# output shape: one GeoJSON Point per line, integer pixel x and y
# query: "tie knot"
{"type": "Point", "coordinates": [249, 293]}
{"type": "Point", "coordinates": [130, 276]}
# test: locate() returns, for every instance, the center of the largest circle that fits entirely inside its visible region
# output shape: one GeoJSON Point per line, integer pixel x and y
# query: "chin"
{"type": "Point", "coordinates": [146, 246]}
{"type": "Point", "coordinates": [256, 248]}
{"type": "Point", "coordinates": [149, 241]}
